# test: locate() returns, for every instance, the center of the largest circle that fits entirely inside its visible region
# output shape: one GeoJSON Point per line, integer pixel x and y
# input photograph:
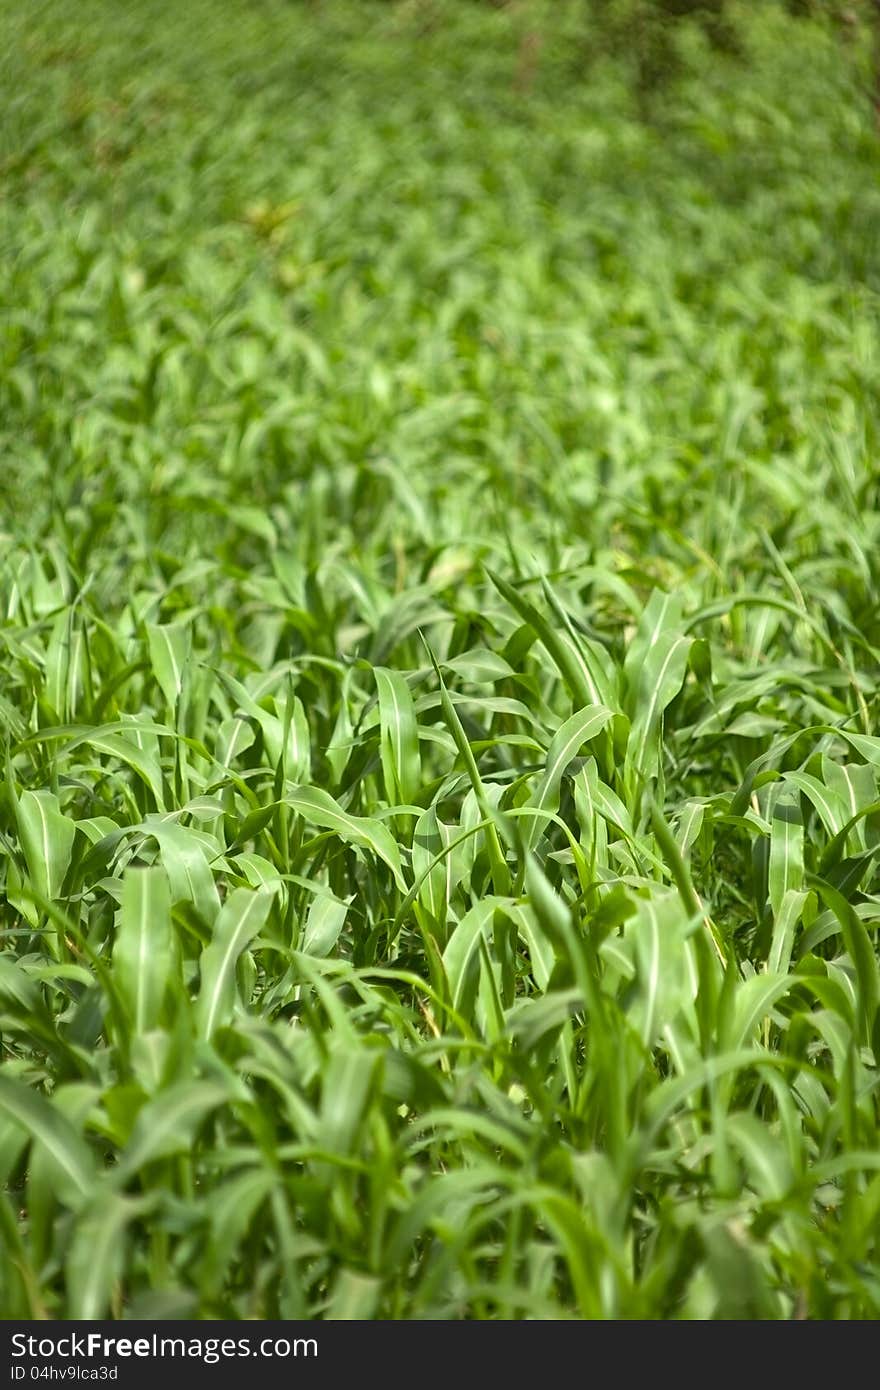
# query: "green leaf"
{"type": "Point", "coordinates": [169, 646]}
{"type": "Point", "coordinates": [297, 745]}
{"type": "Point", "coordinates": [47, 837]}
{"type": "Point", "coordinates": [432, 864]}
{"type": "Point", "coordinates": [185, 855]}
{"type": "Point", "coordinates": [319, 807]}
{"type": "Point", "coordinates": [786, 873]}
{"type": "Point", "coordinates": [461, 958]}
{"type": "Point", "coordinates": [753, 1001]}
{"type": "Point", "coordinates": [325, 921]}
{"type": "Point", "coordinates": [660, 678]}
{"type": "Point", "coordinates": [68, 1153]}
{"type": "Point", "coordinates": [658, 933]}
{"type": "Point", "coordinates": [345, 1096]}
{"type": "Point", "coordinates": [768, 1167]}
{"type": "Point", "coordinates": [241, 917]}
{"type": "Point", "coordinates": [500, 871]}
{"type": "Point", "coordinates": [143, 950]}
{"type": "Point", "coordinates": [168, 1125]}
{"type": "Point", "coordinates": [861, 952]}
{"type": "Point", "coordinates": [784, 926]}
{"type": "Point", "coordinates": [97, 1258]}
{"type": "Point", "coordinates": [399, 736]}
{"type": "Point", "coordinates": [233, 1209]}
{"type": "Point", "coordinates": [124, 750]}
{"type": "Point", "coordinates": [354, 1297]}
{"type": "Point", "coordinates": [566, 743]}
{"type": "Point", "coordinates": [583, 684]}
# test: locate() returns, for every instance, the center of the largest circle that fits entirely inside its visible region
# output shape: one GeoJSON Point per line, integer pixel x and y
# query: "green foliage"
{"type": "Point", "coordinates": [649, 34]}
{"type": "Point", "coordinates": [438, 696]}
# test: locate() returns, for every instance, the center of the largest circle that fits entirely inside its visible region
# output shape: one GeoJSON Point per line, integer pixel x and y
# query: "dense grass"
{"type": "Point", "coordinates": [438, 691]}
